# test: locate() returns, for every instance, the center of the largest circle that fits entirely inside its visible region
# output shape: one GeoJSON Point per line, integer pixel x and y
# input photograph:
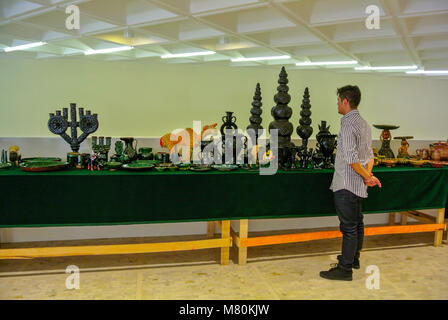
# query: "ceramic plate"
{"type": "Point", "coordinates": [113, 164]}
{"type": "Point", "coordinates": [225, 167]}
{"type": "Point", "coordinates": [385, 126]}
{"type": "Point", "coordinates": [6, 165]}
{"type": "Point", "coordinates": [41, 166]}
{"type": "Point", "coordinates": [40, 159]}
{"type": "Point", "coordinates": [200, 168]}
{"type": "Point", "coordinates": [137, 166]}
{"type": "Point", "coordinates": [147, 162]}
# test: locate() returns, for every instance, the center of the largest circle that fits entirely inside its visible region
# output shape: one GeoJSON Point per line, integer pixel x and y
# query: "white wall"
{"type": "Point", "coordinates": [144, 99]}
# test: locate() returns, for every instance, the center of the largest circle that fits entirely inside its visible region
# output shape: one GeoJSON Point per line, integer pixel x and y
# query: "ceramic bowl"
{"type": "Point", "coordinates": [200, 167]}
{"type": "Point", "coordinates": [418, 163]}
{"type": "Point", "coordinates": [6, 165]}
{"type": "Point", "coordinates": [436, 164]}
{"type": "Point", "coordinates": [389, 162]}
{"type": "Point", "coordinates": [113, 165]}
{"type": "Point", "coordinates": [402, 161]}
{"type": "Point", "coordinates": [183, 166]}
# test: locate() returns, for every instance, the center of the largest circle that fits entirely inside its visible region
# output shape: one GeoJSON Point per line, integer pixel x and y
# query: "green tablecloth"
{"type": "Point", "coordinates": [81, 197]}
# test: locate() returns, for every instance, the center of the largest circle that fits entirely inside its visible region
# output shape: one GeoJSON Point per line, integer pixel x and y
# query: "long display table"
{"type": "Point", "coordinates": [81, 198]}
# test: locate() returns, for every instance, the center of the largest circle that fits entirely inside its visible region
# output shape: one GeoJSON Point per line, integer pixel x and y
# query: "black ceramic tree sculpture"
{"type": "Point", "coordinates": [304, 130]}
{"type": "Point", "coordinates": [58, 124]}
{"type": "Point", "coordinates": [256, 111]}
{"type": "Point", "coordinates": [281, 113]}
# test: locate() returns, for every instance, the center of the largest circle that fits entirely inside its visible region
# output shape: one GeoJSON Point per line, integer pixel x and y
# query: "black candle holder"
{"type": "Point", "coordinates": [59, 123]}
{"type": "Point", "coordinates": [101, 148]}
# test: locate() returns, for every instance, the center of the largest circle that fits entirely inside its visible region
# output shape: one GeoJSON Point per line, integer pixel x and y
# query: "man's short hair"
{"type": "Point", "coordinates": [351, 93]}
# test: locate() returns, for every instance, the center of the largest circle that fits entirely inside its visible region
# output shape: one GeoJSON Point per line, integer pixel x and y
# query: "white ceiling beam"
{"type": "Point", "coordinates": [299, 20]}
{"type": "Point", "coordinates": [401, 29]}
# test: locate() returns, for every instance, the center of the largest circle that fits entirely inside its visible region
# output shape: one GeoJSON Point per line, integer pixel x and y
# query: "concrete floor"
{"type": "Point", "coordinates": [409, 268]}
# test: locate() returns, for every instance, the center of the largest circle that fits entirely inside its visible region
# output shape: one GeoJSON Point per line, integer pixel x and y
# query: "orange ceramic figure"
{"type": "Point", "coordinates": [183, 137]}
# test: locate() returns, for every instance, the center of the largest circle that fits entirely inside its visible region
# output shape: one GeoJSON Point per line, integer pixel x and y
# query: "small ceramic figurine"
{"type": "Point", "coordinates": [94, 162]}
{"type": "Point", "coordinates": [14, 155]}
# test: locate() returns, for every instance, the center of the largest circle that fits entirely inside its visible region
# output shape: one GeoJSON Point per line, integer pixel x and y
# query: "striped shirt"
{"type": "Point", "coordinates": [354, 145]}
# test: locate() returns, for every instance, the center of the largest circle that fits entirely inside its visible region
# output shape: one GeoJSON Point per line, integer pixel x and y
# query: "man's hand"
{"type": "Point", "coordinates": [372, 181]}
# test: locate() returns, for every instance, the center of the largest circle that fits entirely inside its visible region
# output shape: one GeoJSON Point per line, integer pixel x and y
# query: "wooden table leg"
{"type": "Point", "coordinates": [391, 218]}
{"type": "Point", "coordinates": [225, 233]}
{"type": "Point", "coordinates": [210, 229]}
{"type": "Point", "coordinates": [242, 251]}
{"type": "Point", "coordinates": [404, 219]}
{"type": "Point", "coordinates": [439, 234]}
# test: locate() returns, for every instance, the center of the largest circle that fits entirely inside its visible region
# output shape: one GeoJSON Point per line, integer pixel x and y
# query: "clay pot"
{"type": "Point", "coordinates": [423, 153]}
{"type": "Point", "coordinates": [440, 151]}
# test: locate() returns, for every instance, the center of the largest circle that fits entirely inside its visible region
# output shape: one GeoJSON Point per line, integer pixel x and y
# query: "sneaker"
{"type": "Point", "coordinates": [356, 264]}
{"type": "Point", "coordinates": [337, 273]}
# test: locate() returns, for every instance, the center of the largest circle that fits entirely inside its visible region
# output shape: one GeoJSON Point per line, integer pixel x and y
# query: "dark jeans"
{"type": "Point", "coordinates": [348, 208]}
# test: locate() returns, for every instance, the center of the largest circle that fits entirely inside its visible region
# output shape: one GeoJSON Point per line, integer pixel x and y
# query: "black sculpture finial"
{"type": "Point", "coordinates": [256, 111]}
{"type": "Point", "coordinates": [305, 130]}
{"type": "Point", "coordinates": [281, 113]}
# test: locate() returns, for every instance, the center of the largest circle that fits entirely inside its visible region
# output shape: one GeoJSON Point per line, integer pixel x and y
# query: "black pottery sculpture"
{"type": "Point", "coordinates": [281, 113]}
{"type": "Point", "coordinates": [323, 157]}
{"type": "Point", "coordinates": [304, 130]}
{"type": "Point", "coordinates": [101, 148]}
{"type": "Point", "coordinates": [229, 127]}
{"type": "Point", "coordinates": [59, 123]}
{"type": "Point", "coordinates": [256, 111]}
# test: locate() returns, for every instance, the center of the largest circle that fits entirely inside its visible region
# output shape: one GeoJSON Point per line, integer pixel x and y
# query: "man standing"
{"type": "Point", "coordinates": [352, 176]}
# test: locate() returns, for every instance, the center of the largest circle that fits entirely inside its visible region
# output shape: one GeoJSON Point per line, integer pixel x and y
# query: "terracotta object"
{"type": "Point", "coordinates": [385, 138]}
{"type": "Point", "coordinates": [440, 151]}
{"type": "Point", "coordinates": [436, 164]}
{"type": "Point", "coordinates": [389, 162]}
{"type": "Point", "coordinates": [422, 153]}
{"type": "Point", "coordinates": [403, 150]}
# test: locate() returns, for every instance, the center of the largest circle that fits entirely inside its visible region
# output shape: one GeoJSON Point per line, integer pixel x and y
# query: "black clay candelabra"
{"type": "Point", "coordinates": [59, 123]}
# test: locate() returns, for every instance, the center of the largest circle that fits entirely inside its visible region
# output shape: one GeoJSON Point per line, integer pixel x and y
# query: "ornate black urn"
{"type": "Point", "coordinates": [281, 113]}
{"type": "Point", "coordinates": [236, 139]}
{"type": "Point", "coordinates": [323, 157]}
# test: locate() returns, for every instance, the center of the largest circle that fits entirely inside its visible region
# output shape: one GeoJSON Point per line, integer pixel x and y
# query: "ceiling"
{"type": "Point", "coordinates": [412, 32]}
